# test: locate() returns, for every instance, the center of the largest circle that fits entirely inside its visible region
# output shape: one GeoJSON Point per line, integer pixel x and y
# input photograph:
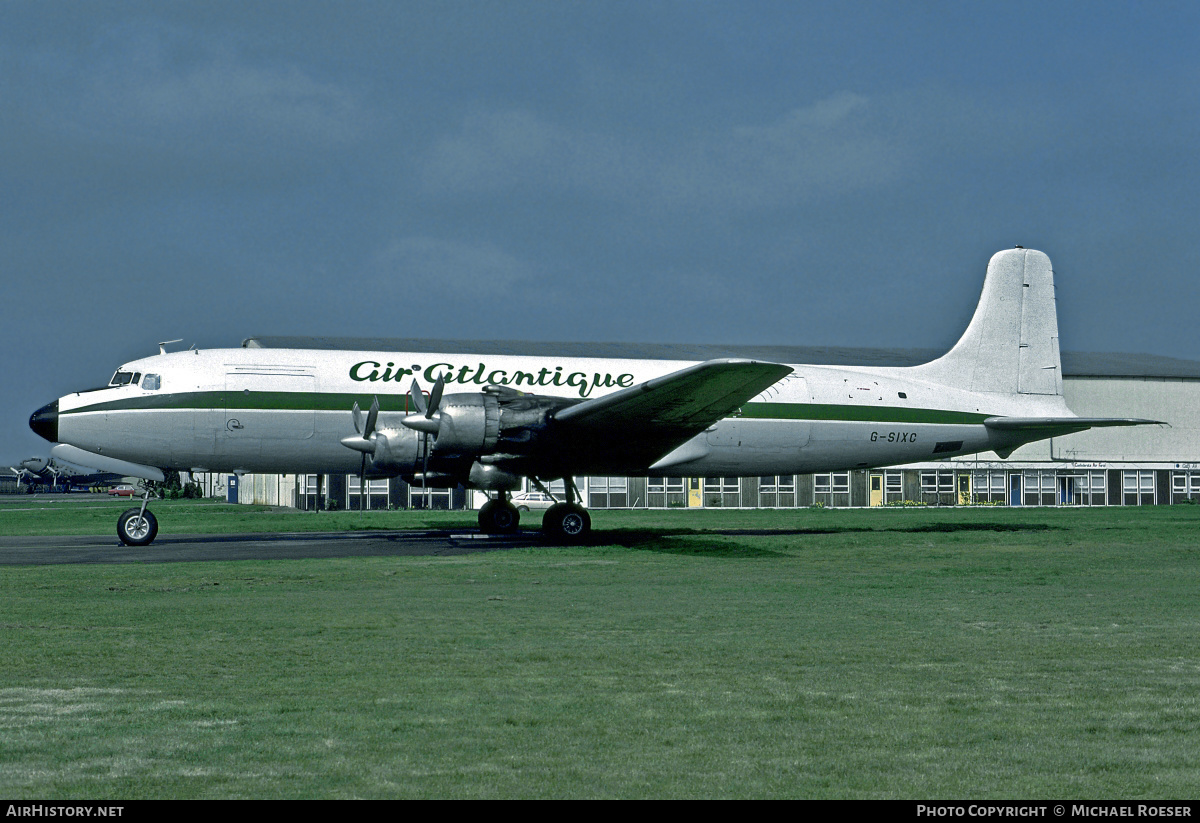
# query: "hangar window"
{"type": "Point", "coordinates": [834, 483]}
{"type": "Point", "coordinates": [937, 482]}
{"type": "Point", "coordinates": [377, 493]}
{"type": "Point", "coordinates": [664, 492]}
{"type": "Point", "coordinates": [1137, 488]}
{"type": "Point", "coordinates": [832, 489]}
{"type": "Point", "coordinates": [777, 491]}
{"type": "Point", "coordinates": [608, 492]}
{"type": "Point", "coordinates": [721, 492]}
{"type": "Point", "coordinates": [1185, 486]}
{"type": "Point", "coordinates": [662, 485]}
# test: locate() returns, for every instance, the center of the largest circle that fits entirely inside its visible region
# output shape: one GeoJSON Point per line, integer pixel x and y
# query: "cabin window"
{"type": "Point", "coordinates": [152, 382]}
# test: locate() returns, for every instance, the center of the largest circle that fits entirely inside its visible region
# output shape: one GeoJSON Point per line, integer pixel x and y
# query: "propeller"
{"type": "Point", "coordinates": [364, 443]}
{"type": "Point", "coordinates": [425, 421]}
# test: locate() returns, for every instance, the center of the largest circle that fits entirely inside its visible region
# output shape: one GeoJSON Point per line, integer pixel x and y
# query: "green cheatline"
{"type": "Point", "coordinates": [865, 414]}
{"type": "Point", "coordinates": [323, 401]}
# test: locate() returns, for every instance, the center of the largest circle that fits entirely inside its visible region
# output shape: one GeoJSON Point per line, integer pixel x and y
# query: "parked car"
{"type": "Point", "coordinates": [123, 490]}
{"type": "Point", "coordinates": [532, 500]}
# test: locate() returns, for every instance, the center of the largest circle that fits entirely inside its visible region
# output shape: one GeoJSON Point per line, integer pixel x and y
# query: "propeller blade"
{"type": "Point", "coordinates": [362, 484]}
{"type": "Point", "coordinates": [425, 472]}
{"type": "Point", "coordinates": [356, 413]}
{"type": "Point", "coordinates": [418, 399]}
{"type": "Point", "coordinates": [435, 396]}
{"type": "Point", "coordinates": [372, 417]}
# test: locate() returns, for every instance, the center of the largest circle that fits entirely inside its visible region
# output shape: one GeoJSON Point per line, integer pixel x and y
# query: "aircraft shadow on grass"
{"type": "Point", "coordinates": [708, 542]}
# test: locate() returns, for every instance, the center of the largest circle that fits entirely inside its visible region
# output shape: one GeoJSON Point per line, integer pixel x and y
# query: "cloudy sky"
{"type": "Point", "coordinates": [806, 173]}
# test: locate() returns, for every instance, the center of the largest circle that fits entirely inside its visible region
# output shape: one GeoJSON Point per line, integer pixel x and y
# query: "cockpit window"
{"type": "Point", "coordinates": [121, 378]}
{"type": "Point", "coordinates": [152, 382]}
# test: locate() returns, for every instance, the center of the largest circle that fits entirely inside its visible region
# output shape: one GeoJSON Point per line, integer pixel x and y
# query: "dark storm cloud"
{"type": "Point", "coordinates": [800, 173]}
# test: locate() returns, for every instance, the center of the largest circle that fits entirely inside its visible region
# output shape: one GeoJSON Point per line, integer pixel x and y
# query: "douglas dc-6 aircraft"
{"type": "Point", "coordinates": [489, 421]}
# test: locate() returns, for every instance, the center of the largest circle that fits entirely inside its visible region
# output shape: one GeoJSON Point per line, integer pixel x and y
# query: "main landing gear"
{"type": "Point", "coordinates": [138, 526]}
{"type": "Point", "coordinates": [568, 521]}
{"type": "Point", "coordinates": [499, 516]}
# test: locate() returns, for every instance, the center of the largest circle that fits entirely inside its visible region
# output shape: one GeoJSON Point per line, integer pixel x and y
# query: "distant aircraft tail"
{"type": "Point", "coordinates": [1011, 345]}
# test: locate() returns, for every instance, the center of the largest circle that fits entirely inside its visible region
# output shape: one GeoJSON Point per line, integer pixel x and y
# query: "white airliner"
{"type": "Point", "coordinates": [491, 420]}
{"type": "Point", "coordinates": [51, 469]}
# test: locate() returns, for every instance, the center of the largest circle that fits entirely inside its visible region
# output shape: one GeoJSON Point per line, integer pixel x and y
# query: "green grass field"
{"type": "Point", "coordinates": [980, 653]}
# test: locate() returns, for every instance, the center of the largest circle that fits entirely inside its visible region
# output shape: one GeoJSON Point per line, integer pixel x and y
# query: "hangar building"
{"type": "Point", "coordinates": [1138, 466]}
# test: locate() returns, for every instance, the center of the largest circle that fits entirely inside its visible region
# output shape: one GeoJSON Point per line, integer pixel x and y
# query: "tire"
{"type": "Point", "coordinates": [568, 522]}
{"type": "Point", "coordinates": [137, 531]}
{"type": "Point", "coordinates": [499, 517]}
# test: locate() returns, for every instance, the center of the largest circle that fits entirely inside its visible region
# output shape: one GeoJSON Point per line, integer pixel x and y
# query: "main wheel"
{"type": "Point", "coordinates": [566, 521]}
{"type": "Point", "coordinates": [499, 517]}
{"type": "Point", "coordinates": [137, 529]}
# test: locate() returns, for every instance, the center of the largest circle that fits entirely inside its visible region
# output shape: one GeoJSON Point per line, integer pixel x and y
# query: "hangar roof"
{"type": "Point", "coordinates": [1075, 364]}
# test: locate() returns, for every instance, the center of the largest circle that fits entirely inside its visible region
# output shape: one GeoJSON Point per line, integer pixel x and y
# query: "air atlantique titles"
{"type": "Point", "coordinates": [369, 370]}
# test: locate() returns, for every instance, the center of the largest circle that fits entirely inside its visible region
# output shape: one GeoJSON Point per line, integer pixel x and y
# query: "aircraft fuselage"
{"type": "Point", "coordinates": [286, 410]}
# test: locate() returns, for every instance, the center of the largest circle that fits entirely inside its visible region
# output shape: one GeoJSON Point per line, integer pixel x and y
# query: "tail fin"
{"type": "Point", "coordinates": [1011, 345]}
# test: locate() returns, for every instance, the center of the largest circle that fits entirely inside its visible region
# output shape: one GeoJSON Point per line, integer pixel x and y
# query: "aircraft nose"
{"type": "Point", "coordinates": [44, 422]}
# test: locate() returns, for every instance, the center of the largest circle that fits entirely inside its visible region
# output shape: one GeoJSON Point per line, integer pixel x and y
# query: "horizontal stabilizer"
{"type": "Point", "coordinates": [1056, 426]}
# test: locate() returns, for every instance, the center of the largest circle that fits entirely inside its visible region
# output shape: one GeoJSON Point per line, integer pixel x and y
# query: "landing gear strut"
{"type": "Point", "coordinates": [138, 526]}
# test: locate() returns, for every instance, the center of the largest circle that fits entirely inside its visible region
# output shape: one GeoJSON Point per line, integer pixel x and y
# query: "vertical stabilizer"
{"type": "Point", "coordinates": [1011, 345]}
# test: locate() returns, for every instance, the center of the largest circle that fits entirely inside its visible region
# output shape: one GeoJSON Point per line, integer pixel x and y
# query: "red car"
{"type": "Point", "coordinates": [123, 490]}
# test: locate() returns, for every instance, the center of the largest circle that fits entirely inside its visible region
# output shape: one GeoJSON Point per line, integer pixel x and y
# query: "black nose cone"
{"type": "Point", "coordinates": [44, 422]}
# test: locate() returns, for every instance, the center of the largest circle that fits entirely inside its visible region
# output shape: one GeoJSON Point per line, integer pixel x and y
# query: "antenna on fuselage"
{"type": "Point", "coordinates": [162, 347]}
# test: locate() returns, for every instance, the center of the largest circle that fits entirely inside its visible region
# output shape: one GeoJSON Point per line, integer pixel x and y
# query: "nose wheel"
{"type": "Point", "coordinates": [137, 527]}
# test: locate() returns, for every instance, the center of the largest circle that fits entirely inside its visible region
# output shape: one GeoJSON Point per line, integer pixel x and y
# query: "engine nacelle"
{"type": "Point", "coordinates": [397, 451]}
{"type": "Point", "coordinates": [492, 478]}
{"type": "Point", "coordinates": [467, 424]}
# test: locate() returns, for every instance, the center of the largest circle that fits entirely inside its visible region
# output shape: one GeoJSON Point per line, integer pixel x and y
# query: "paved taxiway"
{"type": "Point", "coordinates": [39, 550]}
{"type": "Point", "coordinates": [167, 548]}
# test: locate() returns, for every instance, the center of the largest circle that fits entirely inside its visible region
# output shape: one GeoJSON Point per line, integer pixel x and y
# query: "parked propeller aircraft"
{"type": "Point", "coordinates": [489, 421]}
{"type": "Point", "coordinates": [51, 470]}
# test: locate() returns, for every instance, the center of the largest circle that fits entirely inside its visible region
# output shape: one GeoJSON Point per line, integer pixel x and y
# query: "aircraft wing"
{"type": "Point", "coordinates": [688, 401]}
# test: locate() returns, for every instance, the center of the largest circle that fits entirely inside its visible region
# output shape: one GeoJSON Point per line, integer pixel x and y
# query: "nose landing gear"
{"type": "Point", "coordinates": [138, 526]}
